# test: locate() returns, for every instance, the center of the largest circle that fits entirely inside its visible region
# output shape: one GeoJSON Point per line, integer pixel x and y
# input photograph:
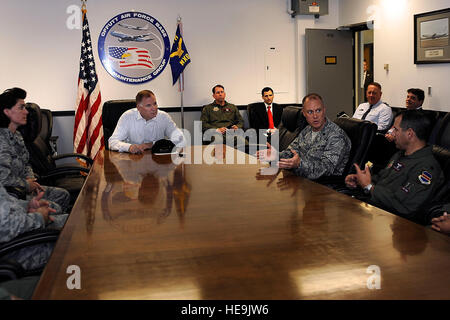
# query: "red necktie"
{"type": "Point", "coordinates": [269, 115]}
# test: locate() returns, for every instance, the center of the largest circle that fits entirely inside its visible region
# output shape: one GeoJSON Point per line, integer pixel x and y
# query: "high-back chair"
{"type": "Point", "coordinates": [361, 134]}
{"type": "Point", "coordinates": [442, 194]}
{"type": "Point", "coordinates": [292, 123]}
{"type": "Point", "coordinates": [112, 110]}
{"type": "Point", "coordinates": [443, 135]}
{"type": "Point", "coordinates": [44, 164]}
{"type": "Point", "coordinates": [250, 115]}
{"type": "Point", "coordinates": [442, 155]}
{"type": "Point", "coordinates": [46, 130]}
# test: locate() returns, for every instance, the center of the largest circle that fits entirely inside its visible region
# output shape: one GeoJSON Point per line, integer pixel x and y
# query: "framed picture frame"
{"type": "Point", "coordinates": [431, 37]}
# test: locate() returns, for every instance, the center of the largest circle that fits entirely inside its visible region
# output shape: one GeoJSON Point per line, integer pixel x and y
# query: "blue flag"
{"type": "Point", "coordinates": [179, 56]}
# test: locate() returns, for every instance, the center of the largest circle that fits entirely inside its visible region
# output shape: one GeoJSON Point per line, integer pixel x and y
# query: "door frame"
{"type": "Point", "coordinates": [355, 28]}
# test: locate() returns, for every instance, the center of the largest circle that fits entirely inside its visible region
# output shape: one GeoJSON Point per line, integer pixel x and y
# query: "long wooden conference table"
{"type": "Point", "coordinates": [206, 227]}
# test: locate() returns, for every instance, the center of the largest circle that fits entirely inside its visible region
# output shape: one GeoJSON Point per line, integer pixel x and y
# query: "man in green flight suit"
{"type": "Point", "coordinates": [222, 116]}
{"type": "Point", "coordinates": [412, 175]}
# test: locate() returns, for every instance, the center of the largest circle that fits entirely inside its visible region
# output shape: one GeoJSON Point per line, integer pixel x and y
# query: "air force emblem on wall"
{"type": "Point", "coordinates": [134, 47]}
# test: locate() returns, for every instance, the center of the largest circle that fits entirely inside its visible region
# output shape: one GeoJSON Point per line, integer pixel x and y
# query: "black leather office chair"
{"type": "Point", "coordinates": [438, 120]}
{"type": "Point", "coordinates": [10, 269]}
{"type": "Point", "coordinates": [442, 155]}
{"type": "Point", "coordinates": [442, 195]}
{"type": "Point", "coordinates": [46, 131]}
{"type": "Point", "coordinates": [292, 123]}
{"type": "Point", "coordinates": [67, 175]}
{"type": "Point", "coordinates": [112, 110]}
{"type": "Point", "coordinates": [443, 135]}
{"type": "Point", "coordinates": [361, 134]}
{"type": "Point", "coordinates": [250, 115]}
{"type": "Point", "coordinates": [380, 151]}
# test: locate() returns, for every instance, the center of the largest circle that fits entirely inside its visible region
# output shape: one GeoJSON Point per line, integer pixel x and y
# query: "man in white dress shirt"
{"type": "Point", "coordinates": [374, 109]}
{"type": "Point", "coordinates": [138, 128]}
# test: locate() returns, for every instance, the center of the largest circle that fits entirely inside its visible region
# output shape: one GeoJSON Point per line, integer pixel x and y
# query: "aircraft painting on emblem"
{"type": "Point", "coordinates": [122, 37]}
{"type": "Point", "coordinates": [129, 26]}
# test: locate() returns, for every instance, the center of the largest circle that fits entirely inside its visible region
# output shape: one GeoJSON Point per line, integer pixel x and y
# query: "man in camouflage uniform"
{"type": "Point", "coordinates": [221, 115]}
{"type": "Point", "coordinates": [19, 216]}
{"type": "Point", "coordinates": [412, 175]}
{"type": "Point", "coordinates": [15, 170]}
{"type": "Point", "coordinates": [321, 149]}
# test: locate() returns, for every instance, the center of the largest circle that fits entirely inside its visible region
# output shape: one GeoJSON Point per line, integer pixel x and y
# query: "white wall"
{"type": "Point", "coordinates": [225, 39]}
{"type": "Point", "coordinates": [394, 45]}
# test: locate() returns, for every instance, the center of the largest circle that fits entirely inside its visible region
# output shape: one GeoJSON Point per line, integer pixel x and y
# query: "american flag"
{"type": "Point", "coordinates": [88, 128]}
{"type": "Point", "coordinates": [134, 58]}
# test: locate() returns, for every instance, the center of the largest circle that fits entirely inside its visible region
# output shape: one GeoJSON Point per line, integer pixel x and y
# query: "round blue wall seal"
{"type": "Point", "coordinates": [134, 47]}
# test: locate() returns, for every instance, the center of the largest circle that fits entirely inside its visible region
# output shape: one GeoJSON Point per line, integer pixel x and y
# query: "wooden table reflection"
{"type": "Point", "coordinates": [146, 228]}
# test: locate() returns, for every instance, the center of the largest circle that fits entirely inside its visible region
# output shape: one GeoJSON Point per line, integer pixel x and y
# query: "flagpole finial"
{"type": "Point", "coordinates": [83, 6]}
{"type": "Point", "coordinates": [179, 19]}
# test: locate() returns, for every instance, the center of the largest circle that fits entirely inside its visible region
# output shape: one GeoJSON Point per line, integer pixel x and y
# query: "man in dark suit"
{"type": "Point", "coordinates": [368, 78]}
{"type": "Point", "coordinates": [265, 115]}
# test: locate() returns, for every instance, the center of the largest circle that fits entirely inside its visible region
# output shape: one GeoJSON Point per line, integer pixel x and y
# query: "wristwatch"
{"type": "Point", "coordinates": [368, 188]}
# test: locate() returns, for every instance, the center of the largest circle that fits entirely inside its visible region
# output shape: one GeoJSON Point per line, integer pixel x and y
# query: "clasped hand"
{"type": "Point", "coordinates": [139, 148]}
{"type": "Point", "coordinates": [37, 204]}
{"type": "Point", "coordinates": [223, 130]}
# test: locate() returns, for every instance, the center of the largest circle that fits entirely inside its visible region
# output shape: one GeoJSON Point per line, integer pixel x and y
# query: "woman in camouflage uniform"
{"type": "Point", "coordinates": [15, 170]}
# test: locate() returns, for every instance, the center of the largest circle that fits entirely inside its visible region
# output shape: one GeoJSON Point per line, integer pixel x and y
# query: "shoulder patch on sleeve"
{"type": "Point", "coordinates": [425, 178]}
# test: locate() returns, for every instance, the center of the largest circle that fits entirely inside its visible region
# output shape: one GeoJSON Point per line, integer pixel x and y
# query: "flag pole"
{"type": "Point", "coordinates": [88, 129]}
{"type": "Point", "coordinates": [181, 79]}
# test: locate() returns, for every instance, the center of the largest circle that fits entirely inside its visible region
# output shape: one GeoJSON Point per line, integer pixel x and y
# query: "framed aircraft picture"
{"type": "Point", "coordinates": [431, 37]}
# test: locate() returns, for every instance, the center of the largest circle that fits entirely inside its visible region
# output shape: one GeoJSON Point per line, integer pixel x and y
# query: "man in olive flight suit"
{"type": "Point", "coordinates": [221, 115]}
{"type": "Point", "coordinates": [412, 175]}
